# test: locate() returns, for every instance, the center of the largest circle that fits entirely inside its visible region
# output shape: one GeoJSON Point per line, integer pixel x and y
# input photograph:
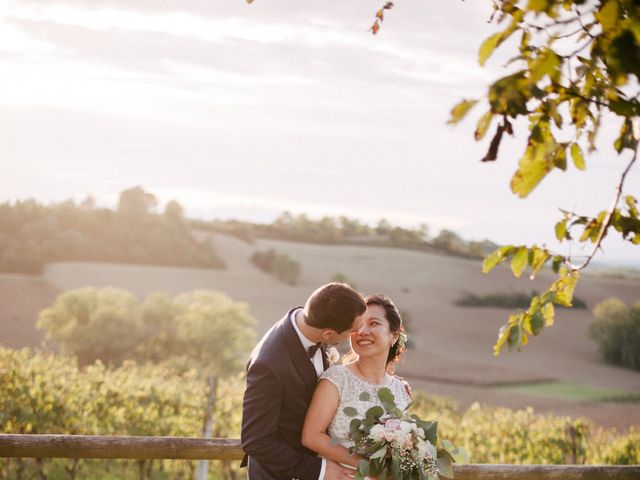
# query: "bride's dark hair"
{"type": "Point", "coordinates": [392, 314]}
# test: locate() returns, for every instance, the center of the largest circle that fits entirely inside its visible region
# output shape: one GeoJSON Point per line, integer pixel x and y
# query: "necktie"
{"type": "Point", "coordinates": [313, 349]}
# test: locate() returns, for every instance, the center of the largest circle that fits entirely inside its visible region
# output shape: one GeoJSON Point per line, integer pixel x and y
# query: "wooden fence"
{"type": "Point", "coordinates": [87, 446]}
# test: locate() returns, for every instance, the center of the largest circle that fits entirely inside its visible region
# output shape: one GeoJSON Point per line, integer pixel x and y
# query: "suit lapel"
{"type": "Point", "coordinates": [298, 354]}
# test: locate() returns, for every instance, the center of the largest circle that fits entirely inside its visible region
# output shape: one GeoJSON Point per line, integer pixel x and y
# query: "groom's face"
{"type": "Point", "coordinates": [331, 337]}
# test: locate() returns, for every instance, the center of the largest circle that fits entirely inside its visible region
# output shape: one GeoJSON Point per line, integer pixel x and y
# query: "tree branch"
{"type": "Point", "coordinates": [607, 219]}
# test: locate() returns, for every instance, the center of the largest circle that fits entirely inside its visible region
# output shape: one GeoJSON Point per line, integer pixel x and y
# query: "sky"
{"type": "Point", "coordinates": [245, 111]}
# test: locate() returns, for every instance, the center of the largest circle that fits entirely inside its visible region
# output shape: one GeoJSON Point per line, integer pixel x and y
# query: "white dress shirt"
{"type": "Point", "coordinates": [317, 363]}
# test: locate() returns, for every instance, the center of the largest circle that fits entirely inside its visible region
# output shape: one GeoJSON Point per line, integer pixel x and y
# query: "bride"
{"type": "Point", "coordinates": [377, 346]}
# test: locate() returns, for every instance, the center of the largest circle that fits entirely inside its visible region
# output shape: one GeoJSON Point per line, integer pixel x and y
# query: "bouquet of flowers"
{"type": "Point", "coordinates": [397, 445]}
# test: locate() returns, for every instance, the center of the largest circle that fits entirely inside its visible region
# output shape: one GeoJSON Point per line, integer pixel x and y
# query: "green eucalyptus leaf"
{"type": "Point", "coordinates": [380, 453]}
{"type": "Point", "coordinates": [445, 466]}
{"type": "Point", "coordinates": [350, 411]}
{"type": "Point", "coordinates": [364, 397]}
{"type": "Point", "coordinates": [374, 412]}
{"type": "Point", "coordinates": [363, 467]}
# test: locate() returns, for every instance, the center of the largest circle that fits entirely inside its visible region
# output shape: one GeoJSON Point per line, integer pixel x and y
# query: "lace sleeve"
{"type": "Point", "coordinates": [335, 375]}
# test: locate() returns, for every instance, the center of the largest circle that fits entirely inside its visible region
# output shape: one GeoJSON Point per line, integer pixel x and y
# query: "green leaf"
{"type": "Point", "coordinates": [533, 167]}
{"type": "Point", "coordinates": [385, 396]}
{"type": "Point", "coordinates": [379, 453]}
{"type": "Point", "coordinates": [578, 158]}
{"type": "Point", "coordinates": [488, 46]}
{"type": "Point", "coordinates": [350, 411]}
{"type": "Point", "coordinates": [537, 259]}
{"type": "Point", "coordinates": [564, 286]}
{"type": "Point", "coordinates": [363, 467]}
{"type": "Point", "coordinates": [483, 125]}
{"type": "Point", "coordinates": [430, 431]}
{"type": "Point", "coordinates": [384, 474]}
{"type": "Point", "coordinates": [556, 263]}
{"type": "Point", "coordinates": [460, 110]}
{"type": "Point", "coordinates": [374, 412]}
{"type": "Point", "coordinates": [395, 467]}
{"type": "Point", "coordinates": [547, 63]}
{"type": "Point", "coordinates": [496, 257]}
{"type": "Point", "coordinates": [548, 313]}
{"type": "Point", "coordinates": [364, 397]}
{"type": "Point", "coordinates": [519, 261]}
{"type": "Point", "coordinates": [459, 455]}
{"type": "Point", "coordinates": [608, 15]}
{"type": "Point", "coordinates": [503, 334]}
{"type": "Point", "coordinates": [561, 229]}
{"type": "Point", "coordinates": [445, 467]}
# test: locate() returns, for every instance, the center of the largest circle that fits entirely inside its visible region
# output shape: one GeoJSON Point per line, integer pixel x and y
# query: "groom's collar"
{"type": "Point", "coordinates": [306, 343]}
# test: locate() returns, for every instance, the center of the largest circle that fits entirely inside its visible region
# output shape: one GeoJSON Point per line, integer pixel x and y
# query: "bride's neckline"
{"type": "Point", "coordinates": [388, 379]}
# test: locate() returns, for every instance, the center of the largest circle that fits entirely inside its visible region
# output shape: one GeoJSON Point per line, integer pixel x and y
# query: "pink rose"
{"type": "Point", "coordinates": [392, 424]}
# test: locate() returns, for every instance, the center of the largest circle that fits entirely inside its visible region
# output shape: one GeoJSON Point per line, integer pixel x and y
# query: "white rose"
{"type": "Point", "coordinates": [377, 432]}
{"type": "Point", "coordinates": [406, 427]}
{"type": "Point", "coordinates": [400, 437]}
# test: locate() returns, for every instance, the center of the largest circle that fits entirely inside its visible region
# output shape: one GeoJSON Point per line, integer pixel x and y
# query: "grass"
{"type": "Point", "coordinates": [576, 392]}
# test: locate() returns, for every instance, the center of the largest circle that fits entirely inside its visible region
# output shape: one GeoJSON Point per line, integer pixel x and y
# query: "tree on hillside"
{"type": "Point", "coordinates": [215, 334]}
{"type": "Point", "coordinates": [94, 324]}
{"type": "Point", "coordinates": [136, 202]}
{"type": "Point", "coordinates": [575, 63]}
{"type": "Point", "coordinates": [174, 212]}
{"type": "Point", "coordinates": [202, 330]}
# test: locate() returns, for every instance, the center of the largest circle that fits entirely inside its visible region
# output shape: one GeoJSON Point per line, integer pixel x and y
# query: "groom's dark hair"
{"type": "Point", "coordinates": [334, 306]}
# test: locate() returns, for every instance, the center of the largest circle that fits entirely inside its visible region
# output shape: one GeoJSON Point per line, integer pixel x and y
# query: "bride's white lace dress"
{"type": "Point", "coordinates": [350, 386]}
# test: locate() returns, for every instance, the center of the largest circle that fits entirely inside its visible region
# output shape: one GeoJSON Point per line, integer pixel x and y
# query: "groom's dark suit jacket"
{"type": "Point", "coordinates": [280, 383]}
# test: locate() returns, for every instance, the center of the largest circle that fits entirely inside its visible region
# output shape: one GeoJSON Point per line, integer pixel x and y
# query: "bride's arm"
{"type": "Point", "coordinates": [323, 407]}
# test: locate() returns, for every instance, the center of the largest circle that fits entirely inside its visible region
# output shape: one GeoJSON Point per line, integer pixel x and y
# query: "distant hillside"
{"type": "Point", "coordinates": [452, 345]}
{"type": "Point", "coordinates": [349, 231]}
{"type": "Point", "coordinates": [33, 235]}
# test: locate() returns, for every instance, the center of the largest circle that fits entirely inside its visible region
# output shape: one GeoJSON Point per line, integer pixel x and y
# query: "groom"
{"type": "Point", "coordinates": [281, 375]}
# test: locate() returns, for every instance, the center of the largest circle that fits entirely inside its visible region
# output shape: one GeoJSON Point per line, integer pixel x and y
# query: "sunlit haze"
{"type": "Point", "coordinates": [244, 111]}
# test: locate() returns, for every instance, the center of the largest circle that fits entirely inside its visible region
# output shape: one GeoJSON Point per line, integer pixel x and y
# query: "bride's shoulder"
{"type": "Point", "coordinates": [404, 385]}
{"type": "Point", "coordinates": [335, 374]}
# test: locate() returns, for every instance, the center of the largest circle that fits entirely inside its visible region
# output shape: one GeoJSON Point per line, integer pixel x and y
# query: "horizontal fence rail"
{"type": "Point", "coordinates": [180, 448]}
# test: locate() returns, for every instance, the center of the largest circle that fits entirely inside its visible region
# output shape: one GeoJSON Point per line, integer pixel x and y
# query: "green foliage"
{"type": "Point", "coordinates": [46, 393]}
{"type": "Point", "coordinates": [32, 235]}
{"type": "Point", "coordinates": [94, 324]}
{"type": "Point", "coordinates": [344, 230]}
{"type": "Point", "coordinates": [505, 300]}
{"type": "Point", "coordinates": [285, 268]}
{"type": "Point", "coordinates": [616, 329]}
{"type": "Point", "coordinates": [575, 63]}
{"type": "Point", "coordinates": [202, 328]}
{"type": "Point", "coordinates": [532, 438]}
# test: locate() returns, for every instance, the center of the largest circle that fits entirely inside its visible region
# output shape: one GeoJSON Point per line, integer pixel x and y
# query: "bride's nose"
{"type": "Point", "coordinates": [364, 329]}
